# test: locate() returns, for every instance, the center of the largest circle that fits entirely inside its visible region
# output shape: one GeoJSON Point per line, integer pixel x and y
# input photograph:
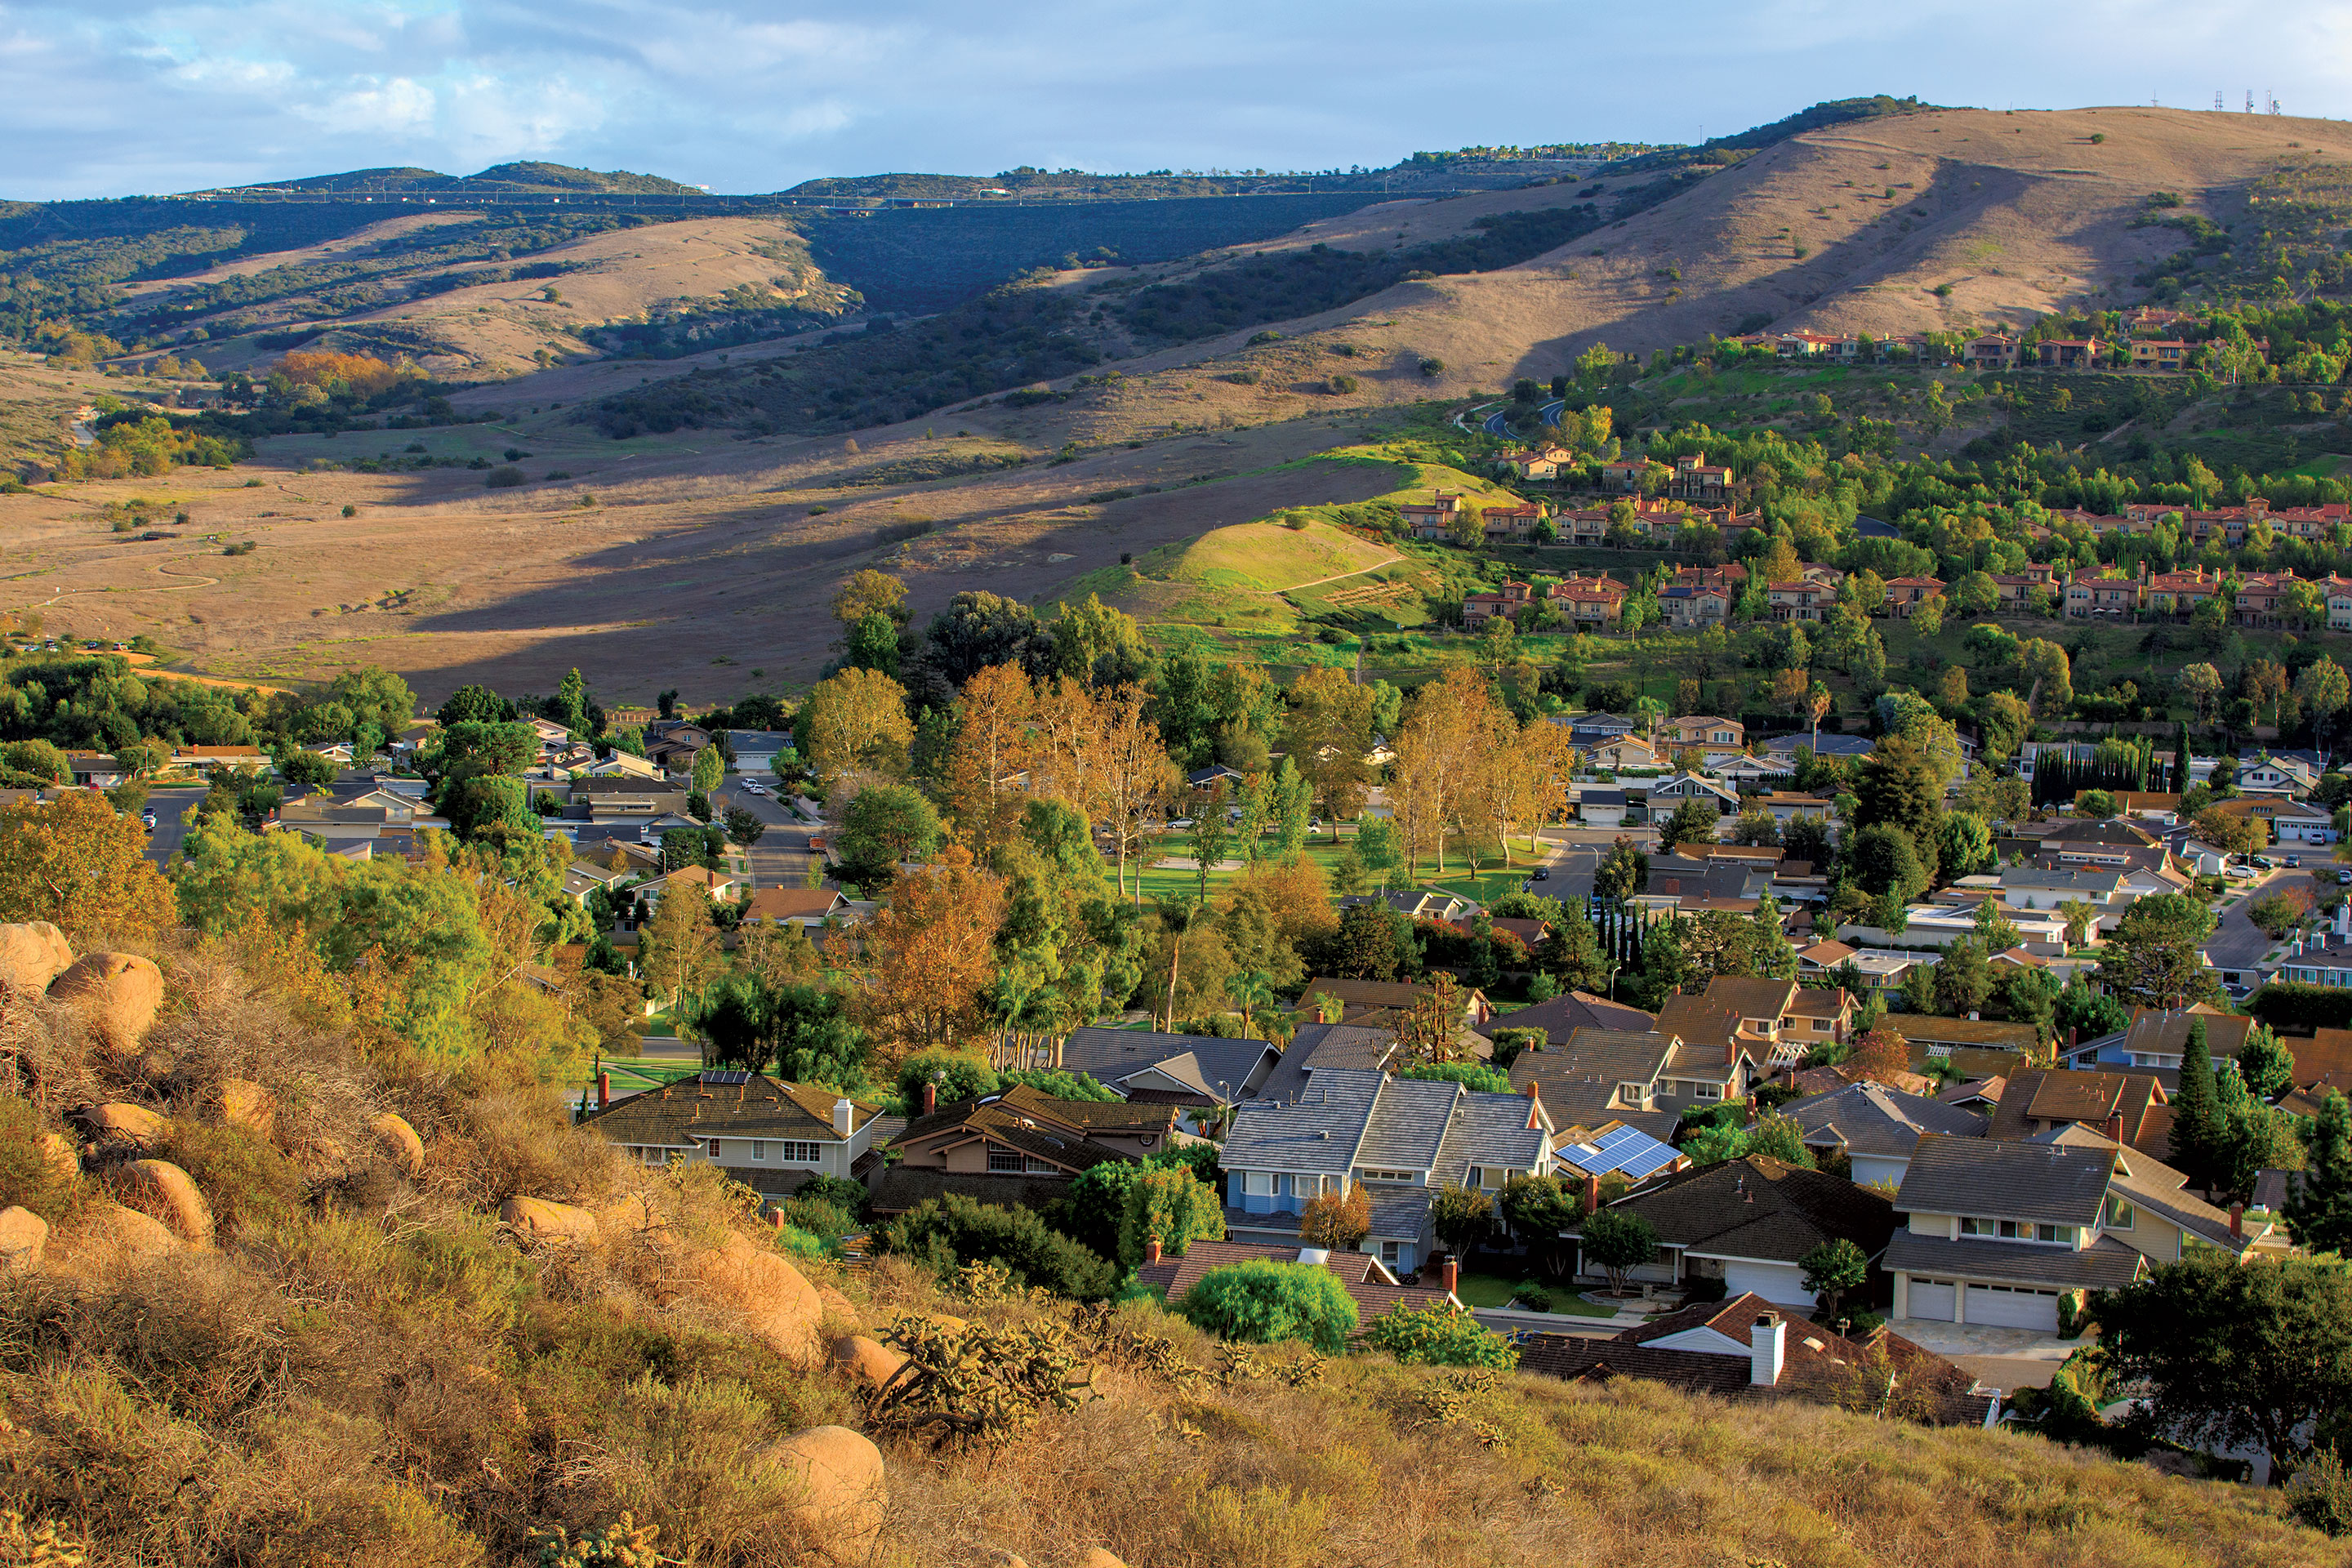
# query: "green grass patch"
{"type": "Point", "coordinates": [1493, 1290]}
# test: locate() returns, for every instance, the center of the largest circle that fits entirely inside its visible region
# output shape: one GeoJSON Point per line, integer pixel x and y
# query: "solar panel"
{"type": "Point", "coordinates": [728, 1078]}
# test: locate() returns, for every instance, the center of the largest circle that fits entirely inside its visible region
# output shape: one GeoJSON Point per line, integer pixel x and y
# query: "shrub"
{"type": "Point", "coordinates": [27, 1176]}
{"type": "Point", "coordinates": [1440, 1336]}
{"type": "Point", "coordinates": [1268, 336]}
{"type": "Point", "coordinates": [1432, 366]}
{"type": "Point", "coordinates": [945, 1232]}
{"type": "Point", "coordinates": [1265, 1303]}
{"type": "Point", "coordinates": [838, 1191]}
{"type": "Point", "coordinates": [2321, 1494]}
{"type": "Point", "coordinates": [1244, 377]}
{"type": "Point", "coordinates": [1343, 384]}
{"type": "Point", "coordinates": [504, 479]}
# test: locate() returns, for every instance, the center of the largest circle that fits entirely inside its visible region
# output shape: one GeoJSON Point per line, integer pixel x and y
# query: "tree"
{"type": "Point", "coordinates": [1329, 734]}
{"type": "Point", "coordinates": [473, 704]}
{"type": "Point", "coordinates": [2319, 1208]}
{"type": "Point", "coordinates": [872, 643]}
{"type": "Point", "coordinates": [1170, 1206]}
{"type": "Point", "coordinates": [2323, 691]}
{"type": "Point", "coordinates": [1623, 872]}
{"type": "Point", "coordinates": [306, 770]}
{"type": "Point", "coordinates": [1880, 1054]}
{"type": "Point", "coordinates": [854, 723]}
{"type": "Point", "coordinates": [1927, 616]}
{"type": "Point", "coordinates": [866, 593]}
{"type": "Point", "coordinates": [2197, 1124]}
{"type": "Point", "coordinates": [742, 825]}
{"type": "Point", "coordinates": [1438, 1336]}
{"type": "Point", "coordinates": [1538, 1209]}
{"type": "Point", "coordinates": [1337, 1221]}
{"type": "Point", "coordinates": [1467, 526]}
{"type": "Point", "coordinates": [2155, 957]}
{"type": "Point", "coordinates": [2228, 1353]}
{"type": "Point", "coordinates": [993, 747]}
{"type": "Point", "coordinates": [77, 864]}
{"type": "Point", "coordinates": [2232, 832]}
{"type": "Point", "coordinates": [1620, 1241]}
{"type": "Point", "coordinates": [1260, 1301]}
{"type": "Point", "coordinates": [932, 952]}
{"type": "Point", "coordinates": [710, 769]}
{"type": "Point", "coordinates": [1692, 822]}
{"type": "Point", "coordinates": [1461, 1217]}
{"type": "Point", "coordinates": [681, 944]}
{"type": "Point", "coordinates": [2080, 916]}
{"type": "Point", "coordinates": [1963, 846]}
{"type": "Point", "coordinates": [1962, 979]}
{"type": "Point", "coordinates": [1211, 834]}
{"type": "Point", "coordinates": [2201, 685]}
{"type": "Point", "coordinates": [2081, 1012]}
{"type": "Point", "coordinates": [1899, 787]}
{"type": "Point", "coordinates": [1831, 1269]}
{"type": "Point", "coordinates": [886, 826]}
{"type": "Point", "coordinates": [2044, 667]}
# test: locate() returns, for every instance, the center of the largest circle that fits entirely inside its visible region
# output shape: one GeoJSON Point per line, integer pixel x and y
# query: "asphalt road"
{"type": "Point", "coordinates": [2236, 942]}
{"type": "Point", "coordinates": [1549, 412]}
{"type": "Point", "coordinates": [781, 857]}
{"type": "Point", "coordinates": [169, 804]}
{"type": "Point", "coordinates": [1573, 854]}
{"type": "Point", "coordinates": [1497, 425]}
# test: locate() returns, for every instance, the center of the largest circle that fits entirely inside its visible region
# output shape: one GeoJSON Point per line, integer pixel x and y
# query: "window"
{"type": "Point", "coordinates": [797, 1153]}
{"type": "Point", "coordinates": [1037, 1167]}
{"type": "Point", "coordinates": [2119, 1215]}
{"type": "Point", "coordinates": [714, 1148]}
{"type": "Point", "coordinates": [1002, 1159]}
{"type": "Point", "coordinates": [1410, 1177]}
{"type": "Point", "coordinates": [1707, 1091]}
{"type": "Point", "coordinates": [758, 1150]}
{"type": "Point", "coordinates": [1258, 1183]}
{"type": "Point", "coordinates": [1634, 1092]}
{"type": "Point", "coordinates": [1391, 1253]}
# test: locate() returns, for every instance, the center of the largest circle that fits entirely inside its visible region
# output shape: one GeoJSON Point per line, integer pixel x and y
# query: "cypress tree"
{"type": "Point", "coordinates": [2180, 759]}
{"type": "Point", "coordinates": [2196, 1110]}
{"type": "Point", "coordinates": [2319, 1215]}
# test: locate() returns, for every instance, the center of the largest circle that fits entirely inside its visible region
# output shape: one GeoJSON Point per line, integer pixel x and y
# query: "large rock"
{"type": "Point", "coordinates": [116, 994]}
{"type": "Point", "coordinates": [866, 1361]}
{"type": "Point", "coordinates": [1095, 1557]}
{"type": "Point", "coordinates": [162, 1191]}
{"type": "Point", "coordinates": [399, 1143]}
{"type": "Point", "coordinates": [844, 1492]}
{"type": "Point", "coordinates": [782, 1308]}
{"type": "Point", "coordinates": [59, 1154]}
{"type": "Point", "coordinates": [131, 1231]}
{"type": "Point", "coordinates": [31, 955]}
{"type": "Point", "coordinates": [536, 1219]}
{"type": "Point", "coordinates": [249, 1107]}
{"type": "Point", "coordinates": [836, 1305]}
{"type": "Point", "coordinates": [24, 1236]}
{"type": "Point", "coordinates": [120, 1124]}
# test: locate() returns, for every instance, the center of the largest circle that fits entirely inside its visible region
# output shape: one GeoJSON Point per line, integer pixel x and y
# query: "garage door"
{"type": "Point", "coordinates": [1932, 1298]}
{"type": "Point", "coordinates": [1784, 1284]}
{"type": "Point", "coordinates": [2014, 1307]}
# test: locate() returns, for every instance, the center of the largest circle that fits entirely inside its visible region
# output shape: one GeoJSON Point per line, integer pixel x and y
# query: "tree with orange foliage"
{"type": "Point", "coordinates": [78, 864]}
{"type": "Point", "coordinates": [1442, 754]}
{"type": "Point", "coordinates": [1133, 775]}
{"type": "Point", "coordinates": [358, 375]}
{"type": "Point", "coordinates": [931, 956]}
{"type": "Point", "coordinates": [993, 746]}
{"type": "Point", "coordinates": [1336, 1223]}
{"type": "Point", "coordinates": [1880, 1055]}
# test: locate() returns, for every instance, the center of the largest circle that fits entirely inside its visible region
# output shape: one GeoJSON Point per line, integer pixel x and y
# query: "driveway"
{"type": "Point", "coordinates": [2006, 1359]}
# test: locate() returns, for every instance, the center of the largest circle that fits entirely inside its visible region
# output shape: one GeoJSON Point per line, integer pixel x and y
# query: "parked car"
{"type": "Point", "coordinates": [147, 819]}
{"type": "Point", "coordinates": [750, 788]}
{"type": "Point", "coordinates": [1182, 824]}
{"type": "Point", "coordinates": [2295, 862]}
{"type": "Point", "coordinates": [1540, 874]}
{"type": "Point", "coordinates": [2343, 879]}
{"type": "Point", "coordinates": [2261, 863]}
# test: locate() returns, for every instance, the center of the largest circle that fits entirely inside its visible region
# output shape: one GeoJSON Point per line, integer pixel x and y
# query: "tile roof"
{"type": "Point", "coordinates": [1866, 1118]}
{"type": "Point", "coordinates": [1758, 1208]}
{"type": "Point", "coordinates": [1318, 1131]}
{"type": "Point", "coordinates": [1408, 1124]}
{"type": "Point", "coordinates": [2004, 1179]}
{"type": "Point", "coordinates": [1318, 1047]}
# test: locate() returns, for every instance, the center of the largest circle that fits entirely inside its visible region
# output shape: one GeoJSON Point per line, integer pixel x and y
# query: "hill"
{"type": "Point", "coordinates": [303, 1294]}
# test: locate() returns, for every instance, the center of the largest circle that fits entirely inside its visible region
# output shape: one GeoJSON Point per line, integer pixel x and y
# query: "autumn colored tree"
{"type": "Point", "coordinates": [77, 864]}
{"type": "Point", "coordinates": [1131, 775]}
{"type": "Point", "coordinates": [1880, 1055]}
{"type": "Point", "coordinates": [1443, 759]}
{"type": "Point", "coordinates": [870, 592]}
{"type": "Point", "coordinates": [854, 723]}
{"type": "Point", "coordinates": [931, 957]}
{"type": "Point", "coordinates": [1337, 1221]}
{"type": "Point", "coordinates": [1328, 732]}
{"type": "Point", "coordinates": [993, 749]}
{"type": "Point", "coordinates": [678, 947]}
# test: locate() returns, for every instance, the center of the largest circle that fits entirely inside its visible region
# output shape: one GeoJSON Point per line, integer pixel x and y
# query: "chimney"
{"type": "Point", "coordinates": [2237, 1221]}
{"type": "Point", "coordinates": [1731, 1052]}
{"type": "Point", "coordinates": [844, 1111]}
{"type": "Point", "coordinates": [930, 1098]}
{"type": "Point", "coordinates": [1151, 1249]}
{"type": "Point", "coordinates": [1591, 1194]}
{"type": "Point", "coordinates": [1449, 1276]}
{"type": "Point", "coordinates": [776, 1218]}
{"type": "Point", "coordinates": [603, 1090]}
{"type": "Point", "coordinates": [1768, 1349]}
{"type": "Point", "coordinates": [2115, 1127]}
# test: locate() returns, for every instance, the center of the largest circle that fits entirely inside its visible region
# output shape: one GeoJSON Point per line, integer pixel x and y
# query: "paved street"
{"type": "Point", "coordinates": [781, 857]}
{"type": "Point", "coordinates": [1572, 854]}
{"type": "Point", "coordinates": [169, 805]}
{"type": "Point", "coordinates": [2237, 944]}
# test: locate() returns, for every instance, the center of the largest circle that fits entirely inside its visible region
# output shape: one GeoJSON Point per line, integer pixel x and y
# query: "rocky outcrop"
{"type": "Point", "coordinates": [843, 1491]}
{"type": "Point", "coordinates": [162, 1191]}
{"type": "Point", "coordinates": [864, 1362]}
{"type": "Point", "coordinates": [24, 1237]}
{"type": "Point", "coordinates": [780, 1307]}
{"type": "Point", "coordinates": [249, 1107]}
{"type": "Point", "coordinates": [837, 1306]}
{"type": "Point", "coordinates": [537, 1220]}
{"type": "Point", "coordinates": [116, 994]}
{"type": "Point", "coordinates": [399, 1143]}
{"type": "Point", "coordinates": [131, 1231]}
{"type": "Point", "coordinates": [57, 1152]}
{"type": "Point", "coordinates": [119, 1125]}
{"type": "Point", "coordinates": [32, 954]}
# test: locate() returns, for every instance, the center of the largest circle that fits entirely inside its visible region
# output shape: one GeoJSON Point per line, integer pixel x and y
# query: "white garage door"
{"type": "Point", "coordinates": [1781, 1283]}
{"type": "Point", "coordinates": [2014, 1307]}
{"type": "Point", "coordinates": [1932, 1298]}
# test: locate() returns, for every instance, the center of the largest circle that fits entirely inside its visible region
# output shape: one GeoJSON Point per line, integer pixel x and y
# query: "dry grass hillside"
{"type": "Point", "coordinates": [274, 1296]}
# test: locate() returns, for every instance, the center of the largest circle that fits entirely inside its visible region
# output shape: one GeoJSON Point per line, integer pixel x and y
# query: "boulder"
{"type": "Point", "coordinates": [399, 1143]}
{"type": "Point", "coordinates": [625, 1217]}
{"type": "Point", "coordinates": [60, 1155]}
{"type": "Point", "coordinates": [162, 1191]}
{"type": "Point", "coordinates": [867, 1362]}
{"type": "Point", "coordinates": [782, 1307]}
{"type": "Point", "coordinates": [837, 1305]}
{"type": "Point", "coordinates": [133, 1232]}
{"type": "Point", "coordinates": [249, 1107]}
{"type": "Point", "coordinates": [116, 994]}
{"type": "Point", "coordinates": [24, 1236]}
{"type": "Point", "coordinates": [1095, 1557]}
{"type": "Point", "coordinates": [31, 955]}
{"type": "Point", "coordinates": [843, 1493]}
{"type": "Point", "coordinates": [536, 1219]}
{"type": "Point", "coordinates": [120, 1123]}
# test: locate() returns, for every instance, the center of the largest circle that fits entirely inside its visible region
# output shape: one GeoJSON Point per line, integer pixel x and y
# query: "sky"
{"type": "Point", "coordinates": [104, 97]}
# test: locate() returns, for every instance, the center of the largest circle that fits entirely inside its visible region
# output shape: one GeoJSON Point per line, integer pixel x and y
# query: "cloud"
{"type": "Point", "coordinates": [114, 97]}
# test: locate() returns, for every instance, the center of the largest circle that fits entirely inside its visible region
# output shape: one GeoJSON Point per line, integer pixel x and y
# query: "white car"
{"type": "Point", "coordinates": [147, 819]}
{"type": "Point", "coordinates": [750, 788]}
{"type": "Point", "coordinates": [1180, 825]}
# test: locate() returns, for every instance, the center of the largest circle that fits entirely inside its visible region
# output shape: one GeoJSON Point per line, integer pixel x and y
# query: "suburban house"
{"type": "Point", "coordinates": [1703, 730]}
{"type": "Point", "coordinates": [1642, 1077]}
{"type": "Point", "coordinates": [1017, 1147]}
{"type": "Point", "coordinates": [756, 751]}
{"type": "Point", "coordinates": [1999, 1230]}
{"type": "Point", "coordinates": [1626, 475]}
{"type": "Point", "coordinates": [1593, 729]}
{"type": "Point", "coordinates": [2292, 821]}
{"type": "Point", "coordinates": [1747, 1223]}
{"type": "Point", "coordinates": [1597, 806]}
{"type": "Point", "coordinates": [1748, 1347]}
{"type": "Point", "coordinates": [1691, 786]}
{"type": "Point", "coordinates": [796, 906]}
{"type": "Point", "coordinates": [1614, 1149]}
{"type": "Point", "coordinates": [1190, 1070]}
{"type": "Point", "coordinates": [2157, 1039]}
{"type": "Point", "coordinates": [1932, 1036]}
{"type": "Point", "coordinates": [1623, 754]}
{"type": "Point", "coordinates": [1876, 1128]}
{"type": "Point", "coordinates": [1776, 1020]}
{"type": "Point", "coordinates": [1367, 1282]}
{"type": "Point", "coordinates": [1697, 479]}
{"type": "Point", "coordinates": [1787, 805]}
{"type": "Point", "coordinates": [2127, 1108]}
{"type": "Point", "coordinates": [1531, 464]}
{"type": "Point", "coordinates": [1437, 513]}
{"type": "Point", "coordinates": [1381, 1002]}
{"type": "Point", "coordinates": [2283, 774]}
{"type": "Point", "coordinates": [1597, 600]}
{"type": "Point", "coordinates": [770, 1135]}
{"type": "Point", "coordinates": [1402, 1139]}
{"type": "Point", "coordinates": [1994, 351]}
{"type": "Point", "coordinates": [1326, 1048]}
{"type": "Point", "coordinates": [2068, 353]}
{"type": "Point", "coordinates": [1688, 605]}
{"type": "Point", "coordinates": [1879, 969]}
{"type": "Point", "coordinates": [1505, 599]}
{"type": "Point", "coordinates": [1904, 595]}
{"type": "Point", "coordinates": [1511, 524]}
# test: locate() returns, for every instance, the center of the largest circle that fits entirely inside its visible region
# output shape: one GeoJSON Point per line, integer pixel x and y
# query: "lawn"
{"type": "Point", "coordinates": [1493, 1290]}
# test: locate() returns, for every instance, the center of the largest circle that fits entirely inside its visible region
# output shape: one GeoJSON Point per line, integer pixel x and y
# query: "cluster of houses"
{"type": "Point", "coordinates": [2251, 598]}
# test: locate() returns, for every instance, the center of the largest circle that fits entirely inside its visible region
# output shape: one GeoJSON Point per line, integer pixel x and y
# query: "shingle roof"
{"type": "Point", "coordinates": [1992, 1178]}
{"type": "Point", "coordinates": [1490, 1131]}
{"type": "Point", "coordinates": [1111, 1057]}
{"type": "Point", "coordinates": [2090, 1098]}
{"type": "Point", "coordinates": [1052, 1129]}
{"type": "Point", "coordinates": [1563, 1015]}
{"type": "Point", "coordinates": [2166, 1032]}
{"type": "Point", "coordinates": [1759, 1207]}
{"type": "Point", "coordinates": [1320, 1132]}
{"type": "Point", "coordinates": [695, 1111]}
{"type": "Point", "coordinates": [1866, 1118]}
{"type": "Point", "coordinates": [1577, 1076]}
{"type": "Point", "coordinates": [2104, 1265]}
{"type": "Point", "coordinates": [1319, 1048]}
{"type": "Point", "coordinates": [1407, 1125]}
{"type": "Point", "coordinates": [1094, 1116]}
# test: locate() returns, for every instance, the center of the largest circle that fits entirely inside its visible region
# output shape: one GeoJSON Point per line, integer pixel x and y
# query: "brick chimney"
{"type": "Point", "coordinates": [1449, 1276]}
{"type": "Point", "coordinates": [2237, 1221]}
{"type": "Point", "coordinates": [1591, 1194]}
{"type": "Point", "coordinates": [603, 1090]}
{"type": "Point", "coordinates": [2114, 1126]}
{"type": "Point", "coordinates": [930, 1098]}
{"type": "Point", "coordinates": [1731, 1052]}
{"type": "Point", "coordinates": [1535, 1106]}
{"type": "Point", "coordinates": [1151, 1249]}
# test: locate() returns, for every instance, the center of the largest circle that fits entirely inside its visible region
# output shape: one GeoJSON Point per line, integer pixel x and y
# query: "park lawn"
{"type": "Point", "coordinates": [1493, 1290]}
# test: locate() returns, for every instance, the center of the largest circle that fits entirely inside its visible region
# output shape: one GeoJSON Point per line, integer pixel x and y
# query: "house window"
{"type": "Point", "coordinates": [1037, 1167]}
{"type": "Point", "coordinates": [1391, 1253]}
{"type": "Point", "coordinates": [1707, 1091]}
{"type": "Point", "coordinates": [758, 1150]}
{"type": "Point", "coordinates": [714, 1148]}
{"type": "Point", "coordinates": [1258, 1183]}
{"type": "Point", "coordinates": [798, 1154]}
{"type": "Point", "coordinates": [1409, 1177]}
{"type": "Point", "coordinates": [2119, 1213]}
{"type": "Point", "coordinates": [1631, 1091]}
{"type": "Point", "coordinates": [1003, 1160]}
